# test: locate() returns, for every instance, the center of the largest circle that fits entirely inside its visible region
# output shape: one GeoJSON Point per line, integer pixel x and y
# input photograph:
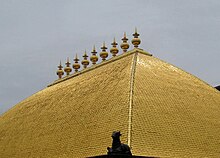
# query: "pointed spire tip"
{"type": "Point", "coordinates": [93, 47]}
{"type": "Point", "coordinates": [124, 34]}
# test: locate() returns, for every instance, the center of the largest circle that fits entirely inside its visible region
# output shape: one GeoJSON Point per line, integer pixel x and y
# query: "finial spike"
{"type": "Point", "coordinates": [60, 71]}
{"type": "Point", "coordinates": [94, 48]}
{"type": "Point", "coordinates": [67, 69]}
{"type": "Point", "coordinates": [85, 62]}
{"type": "Point", "coordinates": [94, 58]}
{"type": "Point", "coordinates": [103, 54]}
{"type": "Point", "coordinates": [103, 47]}
{"type": "Point", "coordinates": [125, 34]}
{"type": "Point", "coordinates": [124, 45]}
{"type": "Point", "coordinates": [136, 41]}
{"type": "Point", "coordinates": [114, 49]}
{"type": "Point", "coordinates": [76, 65]}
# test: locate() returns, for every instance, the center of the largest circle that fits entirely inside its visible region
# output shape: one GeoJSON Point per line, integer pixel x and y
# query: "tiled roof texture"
{"type": "Point", "coordinates": [174, 113]}
{"type": "Point", "coordinates": [160, 110]}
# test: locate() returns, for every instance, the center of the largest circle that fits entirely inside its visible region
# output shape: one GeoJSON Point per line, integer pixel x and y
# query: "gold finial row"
{"type": "Point", "coordinates": [94, 58]}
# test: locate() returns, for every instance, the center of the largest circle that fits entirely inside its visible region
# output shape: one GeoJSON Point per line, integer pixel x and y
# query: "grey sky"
{"type": "Point", "coordinates": [36, 34]}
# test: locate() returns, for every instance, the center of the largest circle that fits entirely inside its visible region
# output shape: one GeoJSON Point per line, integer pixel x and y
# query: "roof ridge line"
{"type": "Point", "coordinates": [100, 64]}
{"type": "Point", "coordinates": [133, 70]}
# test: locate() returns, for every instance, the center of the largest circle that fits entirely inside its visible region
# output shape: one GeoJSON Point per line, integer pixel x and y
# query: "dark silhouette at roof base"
{"type": "Point", "coordinates": [218, 87]}
{"type": "Point", "coordinates": [119, 156]}
{"type": "Point", "coordinates": [117, 147]}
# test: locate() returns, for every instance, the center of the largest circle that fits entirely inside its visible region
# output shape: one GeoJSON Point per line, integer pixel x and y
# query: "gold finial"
{"type": "Point", "coordinates": [85, 62]}
{"type": "Point", "coordinates": [124, 44]}
{"type": "Point", "coordinates": [60, 71]}
{"type": "Point", "coordinates": [67, 69]}
{"type": "Point", "coordinates": [103, 54]}
{"type": "Point", "coordinates": [114, 49]}
{"type": "Point", "coordinates": [76, 65]}
{"type": "Point", "coordinates": [136, 41]}
{"type": "Point", "coordinates": [94, 58]}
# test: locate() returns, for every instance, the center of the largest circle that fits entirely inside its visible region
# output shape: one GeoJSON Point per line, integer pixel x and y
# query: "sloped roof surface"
{"type": "Point", "coordinates": [160, 110]}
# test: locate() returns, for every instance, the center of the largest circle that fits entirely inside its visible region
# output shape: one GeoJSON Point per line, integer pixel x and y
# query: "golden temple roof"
{"type": "Point", "coordinates": [161, 111]}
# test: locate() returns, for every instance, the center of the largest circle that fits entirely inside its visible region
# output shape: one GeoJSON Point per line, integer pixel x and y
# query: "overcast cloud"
{"type": "Point", "coordinates": [36, 34]}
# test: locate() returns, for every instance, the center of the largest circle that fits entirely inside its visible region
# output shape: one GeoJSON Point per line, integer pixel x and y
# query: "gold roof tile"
{"type": "Point", "coordinates": [160, 110]}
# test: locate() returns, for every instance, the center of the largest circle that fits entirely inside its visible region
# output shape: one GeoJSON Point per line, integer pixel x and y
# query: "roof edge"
{"type": "Point", "coordinates": [131, 94]}
{"type": "Point", "coordinates": [135, 50]}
